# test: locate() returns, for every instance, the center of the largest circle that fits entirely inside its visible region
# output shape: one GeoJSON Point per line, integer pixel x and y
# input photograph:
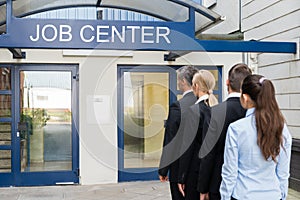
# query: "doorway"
{"type": "Point", "coordinates": [38, 125]}
{"type": "Point", "coordinates": [145, 93]}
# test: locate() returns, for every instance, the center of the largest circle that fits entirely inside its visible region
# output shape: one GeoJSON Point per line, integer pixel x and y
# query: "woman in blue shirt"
{"type": "Point", "coordinates": [258, 147]}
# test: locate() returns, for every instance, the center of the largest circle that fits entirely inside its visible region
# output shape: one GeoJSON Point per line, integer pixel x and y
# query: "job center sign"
{"type": "Point", "coordinates": [87, 34]}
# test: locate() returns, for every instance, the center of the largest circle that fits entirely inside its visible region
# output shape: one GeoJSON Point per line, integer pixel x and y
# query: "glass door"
{"type": "Point", "coordinates": [44, 140]}
{"type": "Point", "coordinates": [144, 106]}
{"type": "Point", "coordinates": [145, 93]}
{"type": "Point", "coordinates": [47, 130]}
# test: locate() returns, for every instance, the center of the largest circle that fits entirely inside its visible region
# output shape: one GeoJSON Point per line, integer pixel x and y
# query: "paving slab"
{"type": "Point", "coordinates": [141, 190]}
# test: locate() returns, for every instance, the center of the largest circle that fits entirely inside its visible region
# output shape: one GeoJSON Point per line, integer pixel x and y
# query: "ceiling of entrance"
{"type": "Point", "coordinates": [168, 10]}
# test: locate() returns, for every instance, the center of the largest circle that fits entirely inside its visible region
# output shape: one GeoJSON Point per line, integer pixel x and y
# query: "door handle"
{"type": "Point", "coordinates": [18, 134]}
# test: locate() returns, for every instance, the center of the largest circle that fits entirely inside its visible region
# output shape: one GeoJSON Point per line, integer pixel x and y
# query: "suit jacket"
{"type": "Point", "coordinates": [172, 141]}
{"type": "Point", "coordinates": [212, 150]}
{"type": "Point", "coordinates": [196, 123]}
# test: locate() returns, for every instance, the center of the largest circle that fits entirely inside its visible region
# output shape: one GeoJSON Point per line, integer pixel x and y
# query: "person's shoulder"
{"type": "Point", "coordinates": [231, 103]}
{"type": "Point", "coordinates": [188, 97]}
{"type": "Point", "coordinates": [286, 133]}
{"type": "Point", "coordinates": [221, 106]}
{"type": "Point", "coordinates": [241, 124]}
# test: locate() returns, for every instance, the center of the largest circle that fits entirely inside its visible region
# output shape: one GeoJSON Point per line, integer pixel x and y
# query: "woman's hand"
{"type": "Point", "coordinates": [181, 188]}
{"type": "Point", "coordinates": [204, 196]}
{"type": "Point", "coordinates": [163, 178]}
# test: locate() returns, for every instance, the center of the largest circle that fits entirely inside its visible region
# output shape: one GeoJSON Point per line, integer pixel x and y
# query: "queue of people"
{"type": "Point", "coordinates": [238, 149]}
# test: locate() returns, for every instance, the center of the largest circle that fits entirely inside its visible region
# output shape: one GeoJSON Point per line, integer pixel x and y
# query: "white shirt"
{"type": "Point", "coordinates": [234, 94]}
{"type": "Point", "coordinates": [203, 97]}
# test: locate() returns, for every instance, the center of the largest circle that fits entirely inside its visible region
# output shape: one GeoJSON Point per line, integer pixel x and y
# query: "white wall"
{"type": "Point", "coordinates": [98, 80]}
{"type": "Point", "coordinates": [277, 20]}
{"type": "Point", "coordinates": [229, 9]}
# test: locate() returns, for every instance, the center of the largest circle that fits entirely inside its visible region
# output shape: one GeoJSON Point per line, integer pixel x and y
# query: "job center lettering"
{"type": "Point", "coordinates": [101, 34]}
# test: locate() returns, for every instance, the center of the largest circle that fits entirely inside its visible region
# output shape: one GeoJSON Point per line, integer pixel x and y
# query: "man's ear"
{"type": "Point", "coordinates": [227, 82]}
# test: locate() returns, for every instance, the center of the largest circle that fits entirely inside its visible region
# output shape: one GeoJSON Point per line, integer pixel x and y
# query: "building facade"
{"type": "Point", "coordinates": [277, 21]}
{"type": "Point", "coordinates": [93, 116]}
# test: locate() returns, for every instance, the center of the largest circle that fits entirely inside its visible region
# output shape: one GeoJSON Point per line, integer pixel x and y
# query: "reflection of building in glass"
{"type": "Point", "coordinates": [49, 90]}
{"type": "Point", "coordinates": [145, 108]}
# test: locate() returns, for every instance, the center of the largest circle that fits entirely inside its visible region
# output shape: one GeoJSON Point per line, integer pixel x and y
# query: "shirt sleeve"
{"type": "Point", "coordinates": [283, 165]}
{"type": "Point", "coordinates": [230, 166]}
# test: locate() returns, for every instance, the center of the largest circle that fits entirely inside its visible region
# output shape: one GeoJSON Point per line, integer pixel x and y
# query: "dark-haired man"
{"type": "Point", "coordinates": [212, 150]}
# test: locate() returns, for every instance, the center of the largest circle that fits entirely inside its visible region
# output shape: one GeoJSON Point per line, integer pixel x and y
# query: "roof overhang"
{"type": "Point", "coordinates": [168, 10]}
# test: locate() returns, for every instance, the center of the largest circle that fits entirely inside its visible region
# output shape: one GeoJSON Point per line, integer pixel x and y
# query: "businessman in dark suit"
{"type": "Point", "coordinates": [172, 140]}
{"type": "Point", "coordinates": [212, 149]}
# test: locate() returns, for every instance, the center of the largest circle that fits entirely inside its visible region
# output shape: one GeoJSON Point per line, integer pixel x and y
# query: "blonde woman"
{"type": "Point", "coordinates": [196, 122]}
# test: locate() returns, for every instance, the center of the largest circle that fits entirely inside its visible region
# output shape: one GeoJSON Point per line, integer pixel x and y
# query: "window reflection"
{"type": "Point", "coordinates": [5, 79]}
{"type": "Point", "coordinates": [5, 85]}
{"type": "Point", "coordinates": [5, 161]}
{"type": "Point", "coordinates": [145, 109]}
{"type": "Point", "coordinates": [5, 133]}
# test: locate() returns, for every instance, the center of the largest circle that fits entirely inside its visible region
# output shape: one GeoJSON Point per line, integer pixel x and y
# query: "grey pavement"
{"type": "Point", "coordinates": [147, 190]}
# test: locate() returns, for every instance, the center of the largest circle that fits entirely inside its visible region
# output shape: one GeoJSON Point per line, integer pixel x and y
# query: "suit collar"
{"type": "Point", "coordinates": [187, 92]}
{"type": "Point", "coordinates": [234, 94]}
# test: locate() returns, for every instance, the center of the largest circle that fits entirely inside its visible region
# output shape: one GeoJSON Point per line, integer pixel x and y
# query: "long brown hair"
{"type": "Point", "coordinates": [269, 120]}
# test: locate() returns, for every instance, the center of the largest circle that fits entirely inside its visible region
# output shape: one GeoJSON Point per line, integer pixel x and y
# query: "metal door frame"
{"type": "Point", "coordinates": [18, 178]}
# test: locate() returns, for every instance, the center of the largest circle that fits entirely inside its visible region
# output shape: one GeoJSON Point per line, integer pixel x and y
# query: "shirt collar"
{"type": "Point", "coordinates": [250, 111]}
{"type": "Point", "coordinates": [186, 92]}
{"type": "Point", "coordinates": [204, 97]}
{"type": "Point", "coordinates": [234, 94]}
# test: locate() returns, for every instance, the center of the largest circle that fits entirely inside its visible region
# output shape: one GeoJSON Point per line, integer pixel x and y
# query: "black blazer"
{"type": "Point", "coordinates": [172, 142]}
{"type": "Point", "coordinates": [212, 150]}
{"type": "Point", "coordinates": [196, 122]}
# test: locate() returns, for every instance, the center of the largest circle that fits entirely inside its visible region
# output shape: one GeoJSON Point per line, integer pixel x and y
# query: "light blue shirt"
{"type": "Point", "coordinates": [245, 172]}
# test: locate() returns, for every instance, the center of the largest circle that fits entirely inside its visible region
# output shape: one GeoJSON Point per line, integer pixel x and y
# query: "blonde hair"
{"type": "Point", "coordinates": [206, 81]}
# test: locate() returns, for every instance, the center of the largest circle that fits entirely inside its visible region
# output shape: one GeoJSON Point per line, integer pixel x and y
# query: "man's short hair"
{"type": "Point", "coordinates": [187, 72]}
{"type": "Point", "coordinates": [236, 75]}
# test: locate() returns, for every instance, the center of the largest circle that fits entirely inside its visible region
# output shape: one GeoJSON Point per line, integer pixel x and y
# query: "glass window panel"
{"type": "Point", "coordinates": [46, 141]}
{"type": "Point", "coordinates": [5, 133]}
{"type": "Point", "coordinates": [84, 13]}
{"type": "Point", "coordinates": [23, 7]}
{"type": "Point", "coordinates": [145, 109]}
{"type": "Point", "coordinates": [175, 11]}
{"type": "Point", "coordinates": [5, 105]}
{"type": "Point", "coordinates": [5, 78]}
{"type": "Point", "coordinates": [5, 161]}
{"type": "Point", "coordinates": [2, 15]}
{"type": "Point", "coordinates": [215, 73]}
